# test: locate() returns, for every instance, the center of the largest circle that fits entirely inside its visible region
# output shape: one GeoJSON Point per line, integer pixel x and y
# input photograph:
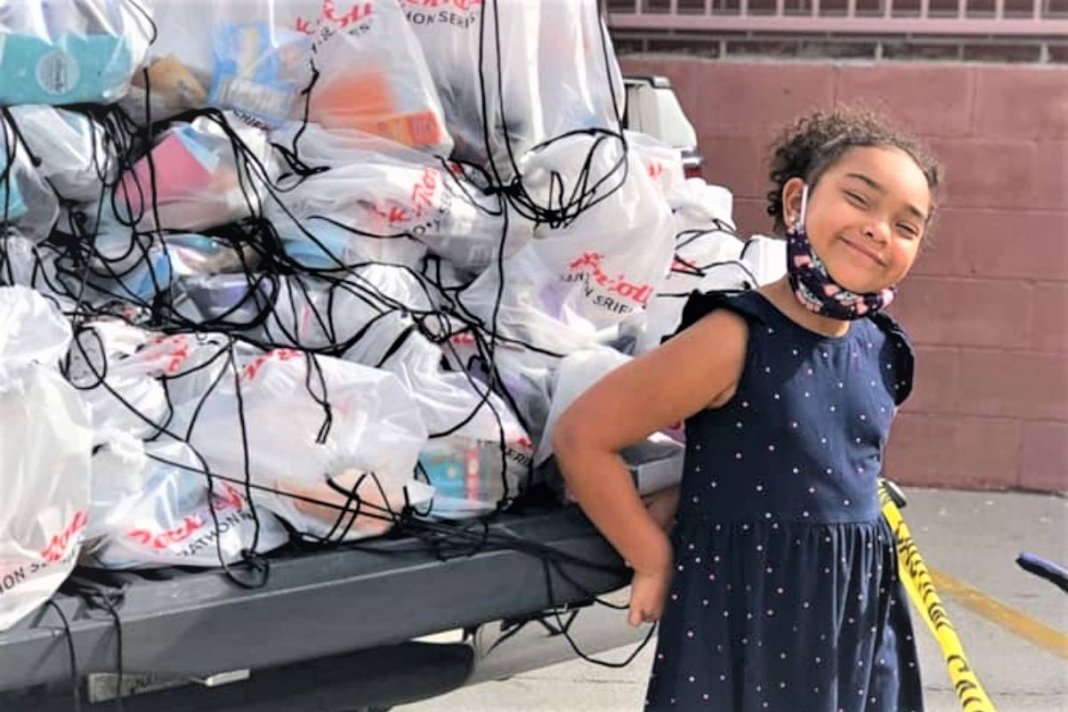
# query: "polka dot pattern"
{"type": "Point", "coordinates": [789, 597]}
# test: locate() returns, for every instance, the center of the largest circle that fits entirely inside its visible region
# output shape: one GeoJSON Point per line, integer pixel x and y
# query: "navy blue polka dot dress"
{"type": "Point", "coordinates": [785, 595]}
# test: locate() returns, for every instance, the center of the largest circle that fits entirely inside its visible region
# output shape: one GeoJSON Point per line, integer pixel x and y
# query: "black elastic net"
{"type": "Point", "coordinates": [116, 259]}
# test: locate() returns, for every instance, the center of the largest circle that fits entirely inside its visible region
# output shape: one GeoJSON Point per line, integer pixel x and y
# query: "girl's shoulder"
{"type": "Point", "coordinates": [894, 351]}
{"type": "Point", "coordinates": [748, 304]}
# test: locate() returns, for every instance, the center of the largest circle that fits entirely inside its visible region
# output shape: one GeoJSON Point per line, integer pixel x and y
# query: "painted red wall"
{"type": "Point", "coordinates": [987, 302]}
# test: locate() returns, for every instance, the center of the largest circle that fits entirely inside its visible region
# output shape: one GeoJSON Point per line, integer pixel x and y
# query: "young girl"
{"type": "Point", "coordinates": [778, 586]}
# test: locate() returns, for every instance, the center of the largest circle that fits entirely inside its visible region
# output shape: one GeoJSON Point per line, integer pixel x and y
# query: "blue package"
{"type": "Point", "coordinates": [194, 143]}
{"type": "Point", "coordinates": [253, 76]}
{"type": "Point", "coordinates": [455, 469]}
{"type": "Point", "coordinates": [328, 253]}
{"type": "Point", "coordinates": [12, 206]}
{"type": "Point", "coordinates": [447, 476]}
{"type": "Point", "coordinates": [73, 69]}
{"type": "Point", "coordinates": [151, 277]}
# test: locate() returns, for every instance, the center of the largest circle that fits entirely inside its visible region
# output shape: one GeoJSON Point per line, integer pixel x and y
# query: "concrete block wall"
{"type": "Point", "coordinates": [987, 302]}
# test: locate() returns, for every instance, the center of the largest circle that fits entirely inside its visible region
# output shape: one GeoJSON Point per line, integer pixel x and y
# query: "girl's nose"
{"type": "Point", "coordinates": [878, 231]}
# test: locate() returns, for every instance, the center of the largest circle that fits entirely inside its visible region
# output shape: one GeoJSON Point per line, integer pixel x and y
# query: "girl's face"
{"type": "Point", "coordinates": [866, 216]}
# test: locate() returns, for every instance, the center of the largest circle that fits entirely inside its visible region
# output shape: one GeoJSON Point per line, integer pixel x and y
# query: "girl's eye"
{"type": "Point", "coordinates": [908, 230]}
{"type": "Point", "coordinates": [856, 199]}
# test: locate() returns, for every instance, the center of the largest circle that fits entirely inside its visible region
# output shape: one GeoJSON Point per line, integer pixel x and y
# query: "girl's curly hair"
{"type": "Point", "coordinates": [811, 145]}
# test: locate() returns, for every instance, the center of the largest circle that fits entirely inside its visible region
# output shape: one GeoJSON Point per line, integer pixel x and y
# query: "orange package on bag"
{"type": "Point", "coordinates": [364, 102]}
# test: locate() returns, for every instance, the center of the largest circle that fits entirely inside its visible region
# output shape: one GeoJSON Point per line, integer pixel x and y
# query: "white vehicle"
{"type": "Point", "coordinates": [653, 108]}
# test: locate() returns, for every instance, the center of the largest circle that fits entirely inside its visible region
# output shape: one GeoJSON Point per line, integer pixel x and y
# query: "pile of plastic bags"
{"type": "Point", "coordinates": [302, 268]}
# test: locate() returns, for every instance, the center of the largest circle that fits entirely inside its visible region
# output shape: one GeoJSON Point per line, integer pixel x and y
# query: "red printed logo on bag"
{"type": "Point", "coordinates": [175, 351]}
{"type": "Point", "coordinates": [423, 192]}
{"type": "Point", "coordinates": [250, 371]}
{"type": "Point", "coordinates": [179, 354]}
{"type": "Point", "coordinates": [588, 267]}
{"type": "Point", "coordinates": [185, 529]}
{"type": "Point", "coordinates": [421, 202]}
{"type": "Point", "coordinates": [229, 498]}
{"type": "Point", "coordinates": [57, 547]}
{"type": "Point", "coordinates": [393, 215]}
{"type": "Point", "coordinates": [330, 14]}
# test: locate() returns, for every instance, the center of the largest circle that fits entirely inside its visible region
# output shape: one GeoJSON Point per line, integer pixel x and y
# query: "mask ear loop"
{"type": "Point", "coordinates": [799, 224]}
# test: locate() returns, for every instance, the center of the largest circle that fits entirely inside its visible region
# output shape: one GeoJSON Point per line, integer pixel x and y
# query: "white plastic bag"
{"type": "Point", "coordinates": [70, 51]}
{"type": "Point", "coordinates": [573, 376]}
{"type": "Point", "coordinates": [152, 508]}
{"type": "Point", "coordinates": [235, 55]}
{"type": "Point", "coordinates": [378, 198]}
{"type": "Point", "coordinates": [163, 87]}
{"type": "Point", "coordinates": [45, 446]}
{"type": "Point", "coordinates": [317, 315]}
{"type": "Point", "coordinates": [234, 301]}
{"type": "Point", "coordinates": [200, 178]}
{"type": "Point", "coordinates": [513, 75]}
{"type": "Point", "coordinates": [649, 460]}
{"type": "Point", "coordinates": [126, 265]}
{"type": "Point", "coordinates": [698, 205]}
{"type": "Point", "coordinates": [121, 391]}
{"type": "Point", "coordinates": [372, 75]}
{"type": "Point", "coordinates": [663, 164]}
{"type": "Point", "coordinates": [135, 267]}
{"type": "Point", "coordinates": [574, 284]}
{"type": "Point", "coordinates": [705, 260]}
{"type": "Point", "coordinates": [317, 427]}
{"type": "Point", "coordinates": [707, 248]}
{"type": "Point", "coordinates": [27, 204]}
{"type": "Point", "coordinates": [330, 316]}
{"type": "Point", "coordinates": [27, 263]}
{"type": "Point", "coordinates": [163, 378]}
{"type": "Point", "coordinates": [765, 257]}
{"type": "Point", "coordinates": [76, 155]}
{"type": "Point", "coordinates": [69, 143]}
{"type": "Point", "coordinates": [255, 57]}
{"type": "Point", "coordinates": [520, 376]}
{"type": "Point", "coordinates": [31, 329]}
{"type": "Point", "coordinates": [478, 455]}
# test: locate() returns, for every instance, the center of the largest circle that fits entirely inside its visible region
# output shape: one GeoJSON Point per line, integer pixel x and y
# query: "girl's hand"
{"type": "Point", "coordinates": [648, 591]}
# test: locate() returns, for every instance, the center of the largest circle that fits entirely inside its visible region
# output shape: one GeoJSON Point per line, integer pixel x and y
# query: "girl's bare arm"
{"type": "Point", "coordinates": [696, 369]}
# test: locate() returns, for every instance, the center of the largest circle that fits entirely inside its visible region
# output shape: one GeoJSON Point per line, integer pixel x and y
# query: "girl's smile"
{"type": "Point", "coordinates": [866, 216]}
{"type": "Point", "coordinates": [867, 255]}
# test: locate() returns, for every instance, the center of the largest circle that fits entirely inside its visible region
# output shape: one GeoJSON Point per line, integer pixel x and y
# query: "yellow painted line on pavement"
{"type": "Point", "coordinates": [1016, 622]}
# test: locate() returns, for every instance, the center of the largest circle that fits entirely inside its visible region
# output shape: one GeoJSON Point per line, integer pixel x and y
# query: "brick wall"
{"type": "Point", "coordinates": [987, 302]}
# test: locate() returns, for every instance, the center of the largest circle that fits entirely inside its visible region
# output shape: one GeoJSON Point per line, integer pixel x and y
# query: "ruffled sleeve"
{"type": "Point", "coordinates": [899, 354]}
{"type": "Point", "coordinates": [700, 304]}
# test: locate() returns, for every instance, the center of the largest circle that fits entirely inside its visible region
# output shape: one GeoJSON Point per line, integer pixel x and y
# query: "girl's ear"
{"type": "Point", "coordinates": [792, 190]}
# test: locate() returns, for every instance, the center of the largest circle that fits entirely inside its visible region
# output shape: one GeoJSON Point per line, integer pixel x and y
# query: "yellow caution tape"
{"type": "Point", "coordinates": [920, 586]}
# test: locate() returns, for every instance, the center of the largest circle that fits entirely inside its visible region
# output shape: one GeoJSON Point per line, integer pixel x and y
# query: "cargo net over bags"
{"type": "Point", "coordinates": [312, 267]}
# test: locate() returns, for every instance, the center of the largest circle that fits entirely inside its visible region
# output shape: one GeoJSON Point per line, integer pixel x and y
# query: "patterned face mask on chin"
{"type": "Point", "coordinates": [813, 285]}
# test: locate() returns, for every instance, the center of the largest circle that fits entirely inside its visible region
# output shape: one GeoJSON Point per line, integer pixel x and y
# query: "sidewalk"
{"type": "Point", "coordinates": [971, 537]}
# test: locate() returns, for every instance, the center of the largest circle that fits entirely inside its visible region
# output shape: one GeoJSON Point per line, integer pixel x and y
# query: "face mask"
{"type": "Point", "coordinates": [813, 285]}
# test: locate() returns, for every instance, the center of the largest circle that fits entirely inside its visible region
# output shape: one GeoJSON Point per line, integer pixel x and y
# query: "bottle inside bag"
{"type": "Point", "coordinates": [465, 474]}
